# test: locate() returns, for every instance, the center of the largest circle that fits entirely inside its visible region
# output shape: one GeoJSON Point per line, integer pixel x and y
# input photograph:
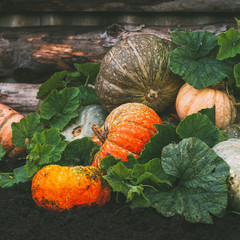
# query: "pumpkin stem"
{"type": "Point", "coordinates": [237, 104]}
{"type": "Point", "coordinates": [100, 134]}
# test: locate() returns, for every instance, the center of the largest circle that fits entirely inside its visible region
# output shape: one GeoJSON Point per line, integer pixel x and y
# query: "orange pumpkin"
{"type": "Point", "coordinates": [58, 188]}
{"type": "Point", "coordinates": [7, 117]}
{"type": "Point", "coordinates": [190, 100]}
{"type": "Point", "coordinates": [126, 130]}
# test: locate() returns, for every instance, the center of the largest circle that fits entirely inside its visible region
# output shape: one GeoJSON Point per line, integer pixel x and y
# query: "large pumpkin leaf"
{"type": "Point", "coordinates": [56, 81]}
{"type": "Point", "coordinates": [199, 125]}
{"type": "Point", "coordinates": [201, 189]}
{"type": "Point", "coordinates": [210, 112]}
{"type": "Point", "coordinates": [60, 107]}
{"type": "Point", "coordinates": [87, 95]}
{"type": "Point", "coordinates": [78, 152]}
{"type": "Point", "coordinates": [195, 59]}
{"type": "Point", "coordinates": [25, 129]}
{"type": "Point", "coordinates": [165, 134]}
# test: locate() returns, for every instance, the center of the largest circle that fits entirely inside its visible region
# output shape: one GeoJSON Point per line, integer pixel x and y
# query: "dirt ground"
{"type": "Point", "coordinates": [20, 218]}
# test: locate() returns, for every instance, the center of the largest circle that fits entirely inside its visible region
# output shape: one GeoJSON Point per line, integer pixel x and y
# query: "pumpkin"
{"type": "Point", "coordinates": [7, 117]}
{"type": "Point", "coordinates": [126, 130]}
{"type": "Point", "coordinates": [137, 70]}
{"type": "Point", "coordinates": [232, 131]}
{"type": "Point", "coordinates": [81, 126]}
{"type": "Point", "coordinates": [229, 151]}
{"type": "Point", "coordinates": [58, 188]}
{"type": "Point", "coordinates": [190, 100]}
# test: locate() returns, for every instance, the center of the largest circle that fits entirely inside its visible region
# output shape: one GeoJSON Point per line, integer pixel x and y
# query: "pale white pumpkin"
{"type": "Point", "coordinates": [80, 126]}
{"type": "Point", "coordinates": [229, 151]}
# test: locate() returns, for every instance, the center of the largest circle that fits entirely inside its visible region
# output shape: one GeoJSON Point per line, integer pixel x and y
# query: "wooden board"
{"type": "Point", "coordinates": [32, 55]}
{"type": "Point", "coordinates": [124, 5]}
{"type": "Point", "coordinates": [19, 96]}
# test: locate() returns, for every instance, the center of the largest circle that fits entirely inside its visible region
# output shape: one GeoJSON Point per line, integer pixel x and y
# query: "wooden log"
{"type": "Point", "coordinates": [33, 55]}
{"type": "Point", "coordinates": [19, 96]}
{"type": "Point", "coordinates": [124, 5]}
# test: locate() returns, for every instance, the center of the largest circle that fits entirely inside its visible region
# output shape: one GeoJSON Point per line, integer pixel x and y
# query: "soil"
{"type": "Point", "coordinates": [21, 218]}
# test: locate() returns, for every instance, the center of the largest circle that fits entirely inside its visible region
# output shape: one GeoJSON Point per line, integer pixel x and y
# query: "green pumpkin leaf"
{"type": "Point", "coordinates": [195, 59]}
{"type": "Point", "coordinates": [200, 126]}
{"type": "Point", "coordinates": [108, 162]}
{"type": "Point", "coordinates": [41, 154]}
{"type": "Point", "coordinates": [201, 189]}
{"type": "Point", "coordinates": [151, 171]}
{"type": "Point", "coordinates": [2, 152]}
{"type": "Point", "coordinates": [165, 135]}
{"type": "Point", "coordinates": [25, 129]}
{"type": "Point", "coordinates": [117, 176]}
{"type": "Point", "coordinates": [56, 81]}
{"type": "Point", "coordinates": [203, 42]}
{"type": "Point", "coordinates": [237, 74]}
{"type": "Point", "coordinates": [60, 107]}
{"type": "Point", "coordinates": [50, 136]}
{"type": "Point", "coordinates": [89, 71]}
{"type": "Point", "coordinates": [238, 23]}
{"type": "Point", "coordinates": [78, 152]}
{"type": "Point", "coordinates": [137, 197]}
{"type": "Point", "coordinates": [87, 95]}
{"type": "Point", "coordinates": [229, 42]}
{"type": "Point", "coordinates": [19, 175]}
{"type": "Point", "coordinates": [45, 148]}
{"type": "Point", "coordinates": [210, 112]}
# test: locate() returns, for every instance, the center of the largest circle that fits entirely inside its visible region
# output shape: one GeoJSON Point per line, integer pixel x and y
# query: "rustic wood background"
{"type": "Point", "coordinates": [40, 37]}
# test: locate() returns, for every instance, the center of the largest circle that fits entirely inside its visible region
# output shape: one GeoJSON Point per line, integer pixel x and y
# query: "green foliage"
{"type": "Point", "coordinates": [195, 59]}
{"type": "Point", "coordinates": [45, 148]}
{"type": "Point", "coordinates": [203, 59]}
{"type": "Point", "coordinates": [189, 179]}
{"type": "Point", "coordinates": [60, 107]}
{"type": "Point", "coordinates": [86, 74]}
{"type": "Point", "coordinates": [177, 172]}
{"type": "Point", "coordinates": [201, 189]}
{"type": "Point", "coordinates": [200, 126]}
{"type": "Point", "coordinates": [61, 96]}
{"type": "Point", "coordinates": [56, 81]}
{"type": "Point", "coordinates": [229, 42]}
{"type": "Point", "coordinates": [2, 152]}
{"type": "Point", "coordinates": [87, 96]}
{"type": "Point", "coordinates": [25, 129]}
{"type": "Point", "coordinates": [19, 175]}
{"type": "Point", "coordinates": [165, 135]}
{"type": "Point", "coordinates": [237, 74]}
{"type": "Point", "coordinates": [79, 152]}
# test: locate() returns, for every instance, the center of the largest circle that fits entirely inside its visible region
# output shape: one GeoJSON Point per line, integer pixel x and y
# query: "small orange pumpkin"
{"type": "Point", "coordinates": [190, 100]}
{"type": "Point", "coordinates": [126, 130]}
{"type": "Point", "coordinates": [7, 117]}
{"type": "Point", "coordinates": [58, 188]}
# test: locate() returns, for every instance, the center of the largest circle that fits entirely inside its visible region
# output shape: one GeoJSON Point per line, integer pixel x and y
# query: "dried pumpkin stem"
{"type": "Point", "coordinates": [100, 134]}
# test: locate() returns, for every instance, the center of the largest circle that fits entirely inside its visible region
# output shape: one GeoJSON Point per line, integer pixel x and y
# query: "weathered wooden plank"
{"type": "Point", "coordinates": [124, 5]}
{"type": "Point", "coordinates": [19, 96]}
{"type": "Point", "coordinates": [33, 54]}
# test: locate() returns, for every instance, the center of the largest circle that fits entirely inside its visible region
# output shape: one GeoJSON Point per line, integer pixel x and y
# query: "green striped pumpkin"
{"type": "Point", "coordinates": [137, 70]}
